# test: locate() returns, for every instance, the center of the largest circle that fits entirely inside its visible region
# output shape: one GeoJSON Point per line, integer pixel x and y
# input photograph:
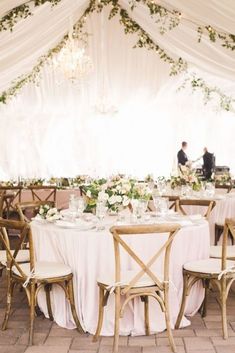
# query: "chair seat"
{"type": "Point", "coordinates": [22, 256]}
{"type": "Point", "coordinates": [109, 280]}
{"type": "Point", "coordinates": [208, 266]}
{"type": "Point", "coordinates": [220, 225]}
{"type": "Point", "coordinates": [216, 251]}
{"type": "Point", "coordinates": [45, 270]}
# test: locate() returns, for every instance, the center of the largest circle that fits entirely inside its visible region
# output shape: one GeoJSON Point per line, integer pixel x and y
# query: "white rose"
{"type": "Point", "coordinates": [103, 196]}
{"type": "Point", "coordinates": [118, 199]}
{"type": "Point", "coordinates": [112, 200]}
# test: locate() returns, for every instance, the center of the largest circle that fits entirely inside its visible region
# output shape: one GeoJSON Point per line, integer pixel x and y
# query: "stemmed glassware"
{"type": "Point", "coordinates": [101, 210]}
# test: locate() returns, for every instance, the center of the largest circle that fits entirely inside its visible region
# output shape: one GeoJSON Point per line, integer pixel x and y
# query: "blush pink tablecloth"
{"type": "Point", "coordinates": [62, 196]}
{"type": "Point", "coordinates": [90, 253]}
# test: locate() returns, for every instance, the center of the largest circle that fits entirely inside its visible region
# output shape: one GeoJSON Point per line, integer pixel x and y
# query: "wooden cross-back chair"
{"type": "Point", "coordinates": [217, 271]}
{"type": "Point", "coordinates": [227, 187]}
{"type": "Point", "coordinates": [28, 210]}
{"type": "Point", "coordinates": [2, 196]}
{"type": "Point", "coordinates": [180, 203]}
{"type": "Point", "coordinates": [43, 193]}
{"type": "Point", "coordinates": [33, 276]}
{"type": "Point", "coordinates": [11, 197]}
{"type": "Point", "coordinates": [143, 282]}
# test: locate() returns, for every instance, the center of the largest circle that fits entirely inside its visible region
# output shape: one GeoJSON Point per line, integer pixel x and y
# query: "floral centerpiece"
{"type": "Point", "coordinates": [37, 182]}
{"type": "Point", "coordinates": [49, 213]}
{"type": "Point", "coordinates": [223, 179]}
{"type": "Point", "coordinates": [188, 177]}
{"type": "Point", "coordinates": [115, 193]}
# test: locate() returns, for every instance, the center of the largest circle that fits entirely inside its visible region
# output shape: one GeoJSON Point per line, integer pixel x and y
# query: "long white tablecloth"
{"type": "Point", "coordinates": [90, 253]}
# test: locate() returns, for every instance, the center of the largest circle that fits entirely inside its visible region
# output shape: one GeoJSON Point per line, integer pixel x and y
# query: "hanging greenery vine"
{"type": "Point", "coordinates": [23, 11]}
{"type": "Point", "coordinates": [144, 41]}
{"type": "Point", "coordinates": [209, 92]}
{"type": "Point", "coordinates": [227, 39]}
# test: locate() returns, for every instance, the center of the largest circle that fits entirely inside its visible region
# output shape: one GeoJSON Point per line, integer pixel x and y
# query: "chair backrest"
{"type": "Point", "coordinates": [28, 210]}
{"type": "Point", "coordinates": [11, 197]}
{"type": "Point", "coordinates": [2, 196]}
{"type": "Point", "coordinates": [43, 193]}
{"type": "Point", "coordinates": [24, 235]}
{"type": "Point", "coordinates": [209, 204]}
{"type": "Point", "coordinates": [172, 202]}
{"type": "Point", "coordinates": [229, 227]}
{"type": "Point", "coordinates": [145, 267]}
{"type": "Point", "coordinates": [227, 187]}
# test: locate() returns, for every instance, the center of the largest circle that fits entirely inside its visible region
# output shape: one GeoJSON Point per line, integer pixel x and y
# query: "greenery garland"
{"type": "Point", "coordinates": [21, 12]}
{"type": "Point", "coordinates": [226, 102]}
{"type": "Point", "coordinates": [144, 41]}
{"type": "Point", "coordinates": [227, 39]}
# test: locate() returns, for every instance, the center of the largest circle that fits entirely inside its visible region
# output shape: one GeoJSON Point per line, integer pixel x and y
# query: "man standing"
{"type": "Point", "coordinates": [181, 155]}
{"type": "Point", "coordinates": [208, 163]}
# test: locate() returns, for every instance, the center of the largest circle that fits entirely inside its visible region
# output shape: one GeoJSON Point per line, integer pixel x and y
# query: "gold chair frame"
{"type": "Point", "coordinates": [33, 284]}
{"type": "Point", "coordinates": [52, 190]}
{"type": "Point", "coordinates": [210, 204]}
{"type": "Point", "coordinates": [159, 289]}
{"type": "Point", "coordinates": [224, 284]}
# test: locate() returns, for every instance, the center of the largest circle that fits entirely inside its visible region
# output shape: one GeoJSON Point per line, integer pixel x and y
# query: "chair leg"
{"type": "Point", "coordinates": [72, 305]}
{"type": "Point", "coordinates": [117, 317]}
{"type": "Point", "coordinates": [10, 289]}
{"type": "Point", "coordinates": [183, 301]}
{"type": "Point", "coordinates": [32, 311]}
{"type": "Point", "coordinates": [47, 288]}
{"type": "Point", "coordinates": [146, 315]}
{"type": "Point", "coordinates": [223, 308]}
{"type": "Point", "coordinates": [167, 318]}
{"type": "Point", "coordinates": [101, 314]}
{"type": "Point", "coordinates": [203, 309]}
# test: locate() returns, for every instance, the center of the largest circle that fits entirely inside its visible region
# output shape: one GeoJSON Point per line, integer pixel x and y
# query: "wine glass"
{"type": "Point", "coordinates": [135, 209]}
{"type": "Point", "coordinates": [143, 205]}
{"type": "Point", "coordinates": [81, 205]}
{"type": "Point", "coordinates": [100, 214]}
{"type": "Point", "coordinates": [156, 200]}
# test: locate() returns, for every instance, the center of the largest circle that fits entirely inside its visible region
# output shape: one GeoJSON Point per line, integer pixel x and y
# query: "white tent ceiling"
{"type": "Point", "coordinates": [58, 122]}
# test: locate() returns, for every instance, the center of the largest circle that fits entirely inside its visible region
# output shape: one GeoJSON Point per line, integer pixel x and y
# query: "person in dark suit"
{"type": "Point", "coordinates": [208, 164]}
{"type": "Point", "coordinates": [181, 155]}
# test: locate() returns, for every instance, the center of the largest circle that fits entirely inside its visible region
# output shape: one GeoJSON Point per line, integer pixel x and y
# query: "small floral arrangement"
{"type": "Point", "coordinates": [149, 178]}
{"type": "Point", "coordinates": [7, 183]}
{"type": "Point", "coordinates": [188, 177]}
{"type": "Point", "coordinates": [37, 182]}
{"type": "Point", "coordinates": [48, 213]}
{"type": "Point", "coordinates": [223, 179]}
{"type": "Point", "coordinates": [140, 191]}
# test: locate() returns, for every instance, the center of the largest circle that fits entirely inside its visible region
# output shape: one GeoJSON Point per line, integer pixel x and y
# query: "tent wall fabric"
{"type": "Point", "coordinates": [55, 128]}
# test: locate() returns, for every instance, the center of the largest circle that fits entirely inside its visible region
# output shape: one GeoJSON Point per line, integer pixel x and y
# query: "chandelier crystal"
{"type": "Point", "coordinates": [72, 61]}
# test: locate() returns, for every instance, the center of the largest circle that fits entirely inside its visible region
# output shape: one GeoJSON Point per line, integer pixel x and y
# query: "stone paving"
{"type": "Point", "coordinates": [203, 336]}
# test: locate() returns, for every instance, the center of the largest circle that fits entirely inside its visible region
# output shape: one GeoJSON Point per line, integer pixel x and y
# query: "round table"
{"type": "Point", "coordinates": [90, 253]}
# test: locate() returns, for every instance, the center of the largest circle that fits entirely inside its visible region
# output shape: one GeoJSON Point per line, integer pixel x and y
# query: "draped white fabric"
{"type": "Point", "coordinates": [53, 129]}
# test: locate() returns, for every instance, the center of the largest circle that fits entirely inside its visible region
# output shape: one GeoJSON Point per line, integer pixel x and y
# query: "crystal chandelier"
{"type": "Point", "coordinates": [72, 61]}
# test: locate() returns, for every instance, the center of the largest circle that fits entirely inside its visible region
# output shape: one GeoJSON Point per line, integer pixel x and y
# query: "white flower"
{"type": "Point", "coordinates": [118, 199]}
{"type": "Point", "coordinates": [103, 196]}
{"type": "Point", "coordinates": [112, 200]}
{"type": "Point", "coordinates": [88, 194]}
{"type": "Point", "coordinates": [125, 201]}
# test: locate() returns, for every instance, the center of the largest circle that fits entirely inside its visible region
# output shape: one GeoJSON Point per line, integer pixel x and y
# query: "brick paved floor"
{"type": "Point", "coordinates": [203, 336]}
